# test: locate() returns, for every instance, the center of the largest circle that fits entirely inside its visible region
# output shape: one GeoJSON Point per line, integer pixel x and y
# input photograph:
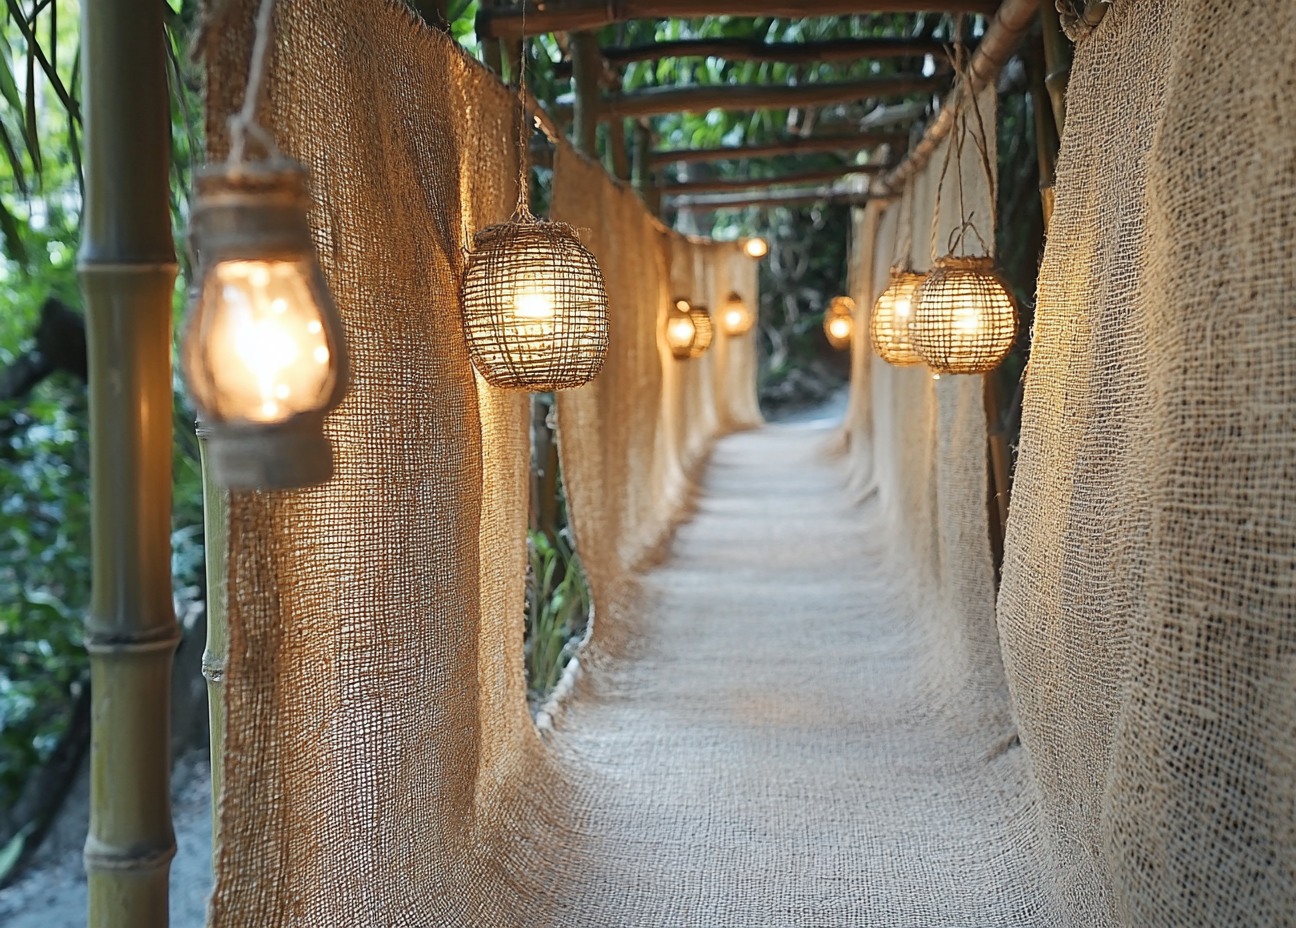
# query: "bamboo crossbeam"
{"type": "Point", "coordinates": [747, 183]}
{"type": "Point", "coordinates": [790, 52]}
{"type": "Point", "coordinates": [769, 198]}
{"type": "Point", "coordinates": [1006, 29]}
{"type": "Point", "coordinates": [127, 267]}
{"type": "Point", "coordinates": [574, 15]}
{"type": "Point", "coordinates": [701, 99]}
{"type": "Point", "coordinates": [792, 146]}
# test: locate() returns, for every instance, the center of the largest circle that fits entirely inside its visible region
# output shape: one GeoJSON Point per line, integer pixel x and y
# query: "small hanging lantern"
{"type": "Point", "coordinates": [681, 330]}
{"type": "Point", "coordinates": [735, 318]}
{"type": "Point", "coordinates": [264, 353]}
{"type": "Point", "coordinates": [965, 318]}
{"type": "Point", "coordinates": [756, 247]}
{"type": "Point", "coordinates": [839, 322]}
{"type": "Point", "coordinates": [534, 306]}
{"type": "Point", "coordinates": [701, 317]}
{"type": "Point", "coordinates": [892, 317]}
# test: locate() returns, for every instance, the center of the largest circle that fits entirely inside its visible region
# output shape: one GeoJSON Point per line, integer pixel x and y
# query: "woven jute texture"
{"type": "Point", "coordinates": [1148, 607]}
{"type": "Point", "coordinates": [381, 766]}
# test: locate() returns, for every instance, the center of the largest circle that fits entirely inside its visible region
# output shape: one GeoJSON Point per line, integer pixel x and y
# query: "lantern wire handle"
{"type": "Point", "coordinates": [244, 123]}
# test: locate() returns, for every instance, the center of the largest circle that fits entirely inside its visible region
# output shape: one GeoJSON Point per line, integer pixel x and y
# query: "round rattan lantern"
{"type": "Point", "coordinates": [701, 317]}
{"type": "Point", "coordinates": [892, 317]}
{"type": "Point", "coordinates": [534, 307]}
{"type": "Point", "coordinates": [839, 322]}
{"type": "Point", "coordinates": [735, 318]}
{"type": "Point", "coordinates": [681, 330]}
{"type": "Point", "coordinates": [965, 318]}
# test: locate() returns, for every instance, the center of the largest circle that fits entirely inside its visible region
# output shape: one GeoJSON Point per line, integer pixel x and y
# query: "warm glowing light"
{"type": "Point", "coordinates": [681, 330]}
{"type": "Point", "coordinates": [756, 247]}
{"type": "Point", "coordinates": [682, 305]}
{"type": "Point", "coordinates": [840, 327]}
{"type": "Point", "coordinates": [735, 317]}
{"type": "Point", "coordinates": [531, 304]}
{"type": "Point", "coordinates": [965, 319]}
{"type": "Point", "coordinates": [892, 317]}
{"type": "Point", "coordinates": [839, 321]}
{"type": "Point", "coordinates": [262, 342]}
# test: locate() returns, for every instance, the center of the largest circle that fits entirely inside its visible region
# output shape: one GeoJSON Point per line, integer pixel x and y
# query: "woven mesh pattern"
{"type": "Point", "coordinates": [892, 317]}
{"type": "Point", "coordinates": [964, 318]}
{"type": "Point", "coordinates": [703, 330]}
{"type": "Point", "coordinates": [534, 307]}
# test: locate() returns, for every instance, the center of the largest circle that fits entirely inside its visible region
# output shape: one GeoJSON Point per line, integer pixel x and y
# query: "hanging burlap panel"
{"type": "Point", "coordinates": [1147, 605]}
{"type": "Point", "coordinates": [380, 764]}
{"type": "Point", "coordinates": [377, 732]}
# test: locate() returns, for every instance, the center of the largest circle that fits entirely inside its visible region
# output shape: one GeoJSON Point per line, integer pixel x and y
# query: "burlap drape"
{"type": "Point", "coordinates": [381, 767]}
{"type": "Point", "coordinates": [1146, 613]}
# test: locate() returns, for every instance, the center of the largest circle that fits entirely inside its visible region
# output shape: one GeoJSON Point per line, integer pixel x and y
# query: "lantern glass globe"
{"type": "Point", "coordinates": [259, 339]}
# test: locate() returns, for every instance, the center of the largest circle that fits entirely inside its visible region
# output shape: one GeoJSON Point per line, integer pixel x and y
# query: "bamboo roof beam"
{"type": "Point", "coordinates": [792, 146]}
{"type": "Point", "coordinates": [790, 52]}
{"type": "Point", "coordinates": [703, 98]}
{"type": "Point", "coordinates": [721, 185]}
{"type": "Point", "coordinates": [575, 15]}
{"type": "Point", "coordinates": [768, 198]}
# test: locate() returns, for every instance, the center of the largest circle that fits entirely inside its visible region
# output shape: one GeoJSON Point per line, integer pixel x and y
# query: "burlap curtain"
{"type": "Point", "coordinates": [380, 764]}
{"type": "Point", "coordinates": [1147, 610]}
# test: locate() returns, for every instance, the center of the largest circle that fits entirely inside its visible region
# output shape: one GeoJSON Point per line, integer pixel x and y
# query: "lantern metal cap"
{"type": "Point", "coordinates": [292, 454]}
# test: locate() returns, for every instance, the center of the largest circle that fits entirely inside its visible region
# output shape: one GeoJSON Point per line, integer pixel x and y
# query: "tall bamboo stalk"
{"type": "Point", "coordinates": [1057, 58]}
{"type": "Point", "coordinates": [127, 268]}
{"type": "Point", "coordinates": [216, 653]}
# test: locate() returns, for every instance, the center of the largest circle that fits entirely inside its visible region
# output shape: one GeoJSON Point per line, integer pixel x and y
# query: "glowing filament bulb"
{"type": "Point", "coordinates": [903, 306]}
{"type": "Point", "coordinates": [840, 327]}
{"type": "Point", "coordinates": [264, 341]}
{"type": "Point", "coordinates": [734, 318]}
{"type": "Point", "coordinates": [532, 304]}
{"type": "Point", "coordinates": [967, 319]}
{"type": "Point", "coordinates": [680, 331]}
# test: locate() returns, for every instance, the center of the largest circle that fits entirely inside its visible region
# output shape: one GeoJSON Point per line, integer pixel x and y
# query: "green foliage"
{"type": "Point", "coordinates": [44, 437]}
{"type": "Point", "coordinates": [558, 605]}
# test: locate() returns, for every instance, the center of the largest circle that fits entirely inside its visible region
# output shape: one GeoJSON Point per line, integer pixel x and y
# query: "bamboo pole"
{"type": "Point", "coordinates": [574, 15]}
{"type": "Point", "coordinates": [1046, 136]}
{"type": "Point", "coordinates": [769, 198]}
{"type": "Point", "coordinates": [748, 183]}
{"type": "Point", "coordinates": [791, 52]}
{"type": "Point", "coordinates": [216, 653]}
{"type": "Point", "coordinates": [586, 69]}
{"type": "Point", "coordinates": [847, 143]}
{"type": "Point", "coordinates": [701, 99]}
{"type": "Point", "coordinates": [1001, 38]}
{"type": "Point", "coordinates": [127, 268]}
{"type": "Point", "coordinates": [1057, 59]}
{"type": "Point", "coordinates": [620, 152]}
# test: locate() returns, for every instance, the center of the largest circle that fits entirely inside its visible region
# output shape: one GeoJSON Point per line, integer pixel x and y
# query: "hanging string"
{"type": "Point", "coordinates": [954, 148]}
{"type": "Point", "coordinates": [523, 211]}
{"type": "Point", "coordinates": [244, 123]}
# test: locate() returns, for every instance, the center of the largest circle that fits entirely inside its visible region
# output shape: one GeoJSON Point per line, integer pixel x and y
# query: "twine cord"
{"type": "Point", "coordinates": [522, 213]}
{"type": "Point", "coordinates": [962, 90]}
{"type": "Point", "coordinates": [244, 123]}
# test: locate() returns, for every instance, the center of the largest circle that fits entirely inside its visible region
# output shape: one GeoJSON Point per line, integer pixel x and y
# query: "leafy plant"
{"type": "Point", "coordinates": [558, 605]}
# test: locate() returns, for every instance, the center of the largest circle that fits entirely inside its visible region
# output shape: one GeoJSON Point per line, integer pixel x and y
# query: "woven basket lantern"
{"type": "Point", "coordinates": [735, 318]}
{"type": "Point", "coordinates": [892, 318]}
{"type": "Point", "coordinates": [705, 331]}
{"type": "Point", "coordinates": [681, 330]}
{"type": "Point", "coordinates": [839, 322]}
{"type": "Point", "coordinates": [965, 319]}
{"type": "Point", "coordinates": [534, 307]}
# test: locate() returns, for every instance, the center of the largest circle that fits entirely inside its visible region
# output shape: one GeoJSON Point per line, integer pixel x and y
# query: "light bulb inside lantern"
{"type": "Point", "coordinates": [533, 304]}
{"type": "Point", "coordinates": [756, 247]}
{"type": "Point", "coordinates": [733, 318]}
{"type": "Point", "coordinates": [840, 327]}
{"type": "Point", "coordinates": [903, 306]}
{"type": "Point", "coordinates": [262, 342]}
{"type": "Point", "coordinates": [680, 332]}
